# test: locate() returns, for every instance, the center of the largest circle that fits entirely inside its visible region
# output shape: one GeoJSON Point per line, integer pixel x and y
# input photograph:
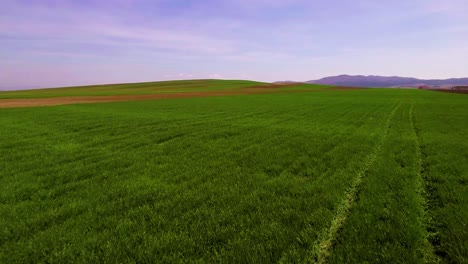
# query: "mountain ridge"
{"type": "Point", "coordinates": [388, 81]}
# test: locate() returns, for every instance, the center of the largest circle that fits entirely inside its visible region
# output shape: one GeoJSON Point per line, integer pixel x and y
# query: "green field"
{"type": "Point", "coordinates": [327, 176]}
{"type": "Point", "coordinates": [131, 88]}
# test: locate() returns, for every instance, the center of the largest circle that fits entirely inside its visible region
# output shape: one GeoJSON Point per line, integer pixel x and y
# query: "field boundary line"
{"type": "Point", "coordinates": [428, 251]}
{"type": "Point", "coordinates": [71, 100]}
{"type": "Point", "coordinates": [329, 235]}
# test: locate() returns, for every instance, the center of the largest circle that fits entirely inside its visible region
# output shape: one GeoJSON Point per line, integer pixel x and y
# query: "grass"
{"type": "Point", "coordinates": [144, 88]}
{"type": "Point", "coordinates": [442, 129]}
{"type": "Point", "coordinates": [385, 224]}
{"type": "Point", "coordinates": [375, 175]}
{"type": "Point", "coordinates": [131, 88]}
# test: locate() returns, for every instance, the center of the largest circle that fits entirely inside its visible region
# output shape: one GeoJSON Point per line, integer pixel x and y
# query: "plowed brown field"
{"type": "Point", "coordinates": [32, 102]}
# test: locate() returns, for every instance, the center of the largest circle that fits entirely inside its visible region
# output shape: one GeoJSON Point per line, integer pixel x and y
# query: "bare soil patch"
{"type": "Point", "coordinates": [345, 88]}
{"type": "Point", "coordinates": [32, 102]}
{"type": "Point", "coordinates": [274, 85]}
{"type": "Point", "coordinates": [461, 91]}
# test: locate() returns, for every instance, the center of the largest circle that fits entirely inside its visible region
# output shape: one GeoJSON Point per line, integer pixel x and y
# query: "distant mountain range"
{"type": "Point", "coordinates": [394, 81]}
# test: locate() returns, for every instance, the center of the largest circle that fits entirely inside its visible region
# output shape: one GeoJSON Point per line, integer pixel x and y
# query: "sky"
{"type": "Point", "coordinates": [52, 43]}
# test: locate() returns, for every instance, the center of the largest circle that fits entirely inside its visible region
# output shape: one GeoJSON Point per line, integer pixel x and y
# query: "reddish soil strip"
{"type": "Point", "coordinates": [275, 85]}
{"type": "Point", "coordinates": [9, 103]}
{"type": "Point", "coordinates": [452, 91]}
{"type": "Point", "coordinates": [345, 88]}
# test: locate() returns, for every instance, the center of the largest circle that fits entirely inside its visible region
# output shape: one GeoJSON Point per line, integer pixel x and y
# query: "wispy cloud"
{"type": "Point", "coordinates": [61, 24]}
{"type": "Point", "coordinates": [108, 41]}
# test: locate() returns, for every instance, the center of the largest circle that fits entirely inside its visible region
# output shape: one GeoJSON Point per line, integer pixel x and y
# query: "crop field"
{"type": "Point", "coordinates": [287, 174]}
{"type": "Point", "coordinates": [131, 88]}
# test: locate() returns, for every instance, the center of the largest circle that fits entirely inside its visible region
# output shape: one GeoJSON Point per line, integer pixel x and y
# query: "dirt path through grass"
{"type": "Point", "coordinates": [385, 220]}
{"type": "Point", "coordinates": [329, 236]}
{"type": "Point", "coordinates": [428, 249]}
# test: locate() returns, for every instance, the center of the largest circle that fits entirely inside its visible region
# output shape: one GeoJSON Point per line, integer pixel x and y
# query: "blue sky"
{"type": "Point", "coordinates": [47, 43]}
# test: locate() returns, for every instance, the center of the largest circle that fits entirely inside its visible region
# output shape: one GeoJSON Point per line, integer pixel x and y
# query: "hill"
{"type": "Point", "coordinates": [145, 91]}
{"type": "Point", "coordinates": [143, 88]}
{"type": "Point", "coordinates": [383, 81]}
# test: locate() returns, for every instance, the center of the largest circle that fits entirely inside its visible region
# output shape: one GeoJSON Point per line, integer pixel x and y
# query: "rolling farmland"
{"type": "Point", "coordinates": [240, 172]}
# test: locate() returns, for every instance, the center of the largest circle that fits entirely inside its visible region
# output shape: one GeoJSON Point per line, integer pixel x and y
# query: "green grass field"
{"type": "Point", "coordinates": [131, 88]}
{"type": "Point", "coordinates": [327, 176]}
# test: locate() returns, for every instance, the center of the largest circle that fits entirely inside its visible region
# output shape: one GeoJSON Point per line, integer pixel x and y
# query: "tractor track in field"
{"type": "Point", "coordinates": [51, 101]}
{"type": "Point", "coordinates": [330, 149]}
{"type": "Point", "coordinates": [424, 194]}
{"type": "Point", "coordinates": [329, 236]}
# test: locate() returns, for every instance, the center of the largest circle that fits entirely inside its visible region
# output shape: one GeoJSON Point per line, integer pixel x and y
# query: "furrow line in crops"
{"type": "Point", "coordinates": [422, 189]}
{"type": "Point", "coordinates": [339, 140]}
{"type": "Point", "coordinates": [339, 145]}
{"type": "Point", "coordinates": [329, 236]}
